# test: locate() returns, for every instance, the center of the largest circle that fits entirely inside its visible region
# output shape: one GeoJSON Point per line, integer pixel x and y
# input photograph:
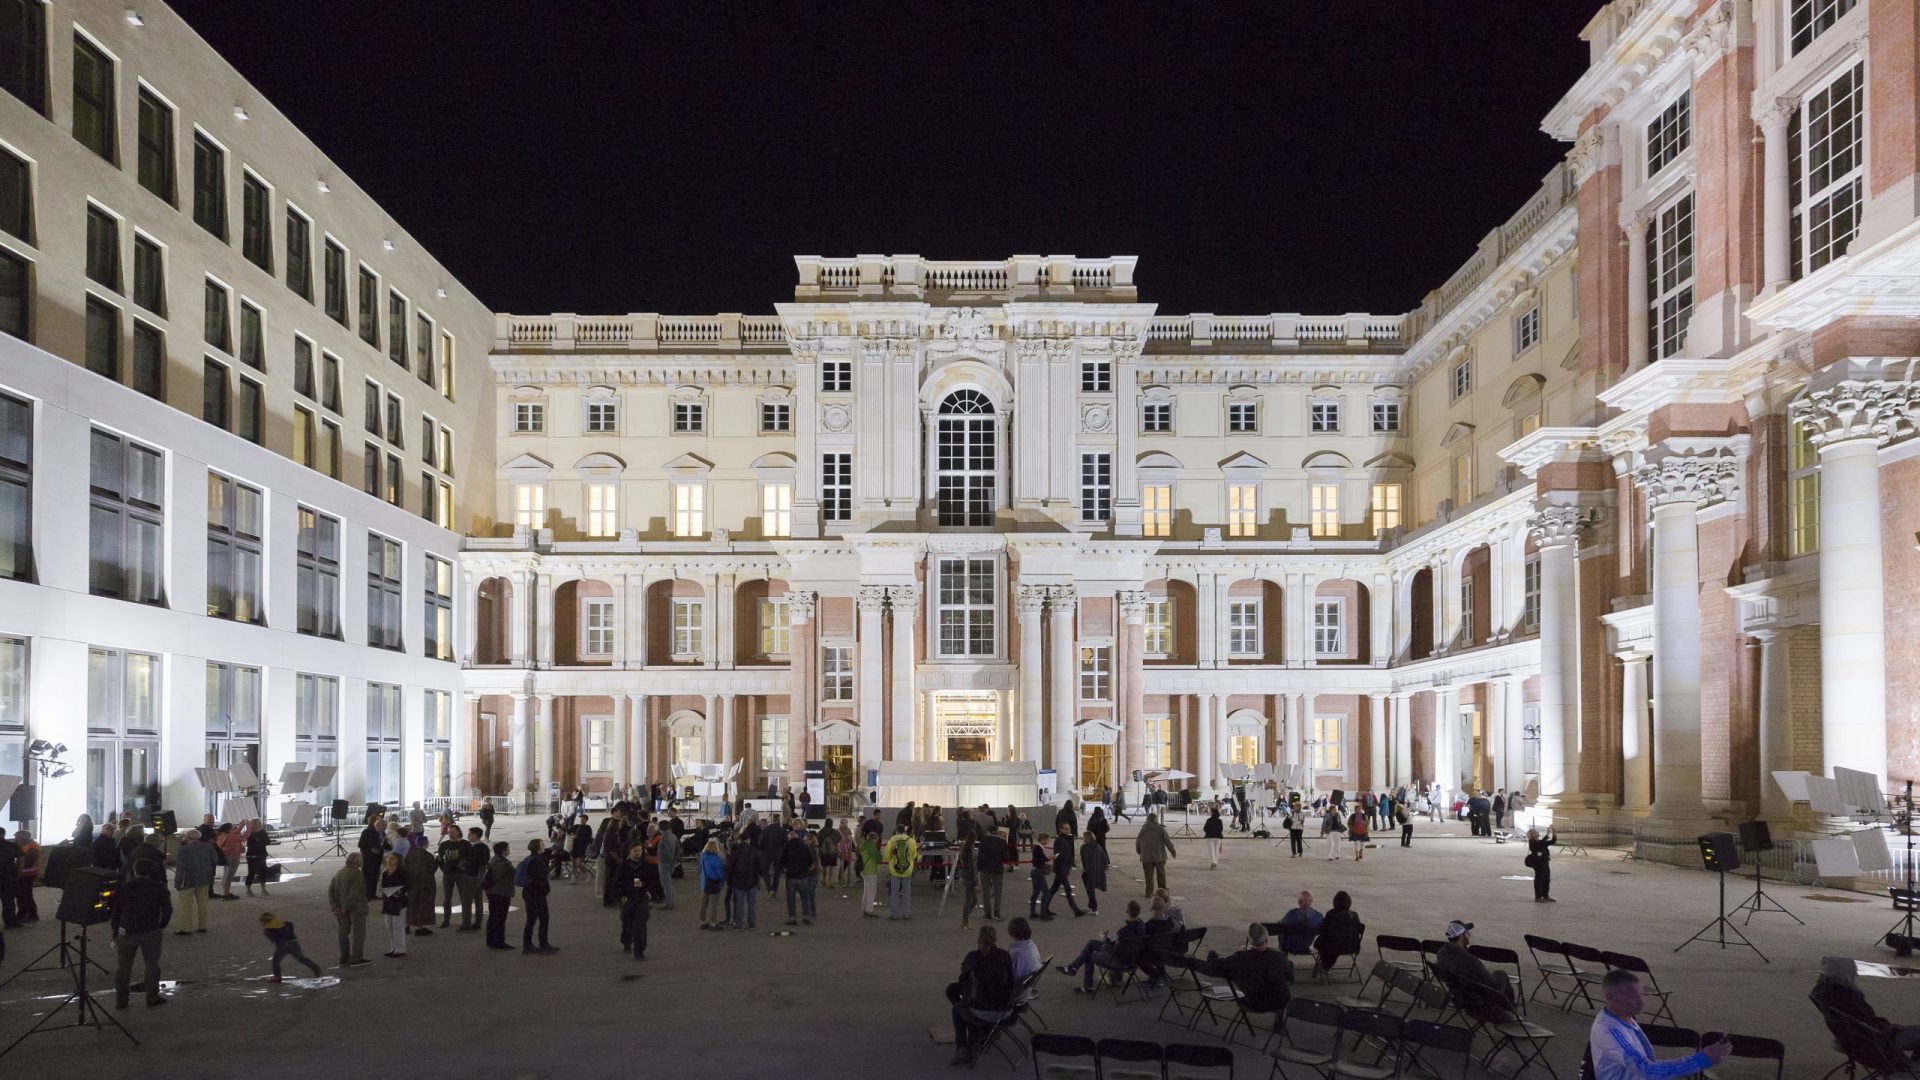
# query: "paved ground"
{"type": "Point", "coordinates": [859, 996]}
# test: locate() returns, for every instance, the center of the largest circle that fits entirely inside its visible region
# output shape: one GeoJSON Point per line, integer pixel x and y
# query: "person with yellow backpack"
{"type": "Point", "coordinates": [901, 856]}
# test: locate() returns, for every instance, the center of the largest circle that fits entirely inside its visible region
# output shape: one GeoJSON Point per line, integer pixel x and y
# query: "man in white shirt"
{"type": "Point", "coordinates": [1621, 1051]}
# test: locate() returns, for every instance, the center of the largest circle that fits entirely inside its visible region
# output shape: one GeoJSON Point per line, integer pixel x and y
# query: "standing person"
{"type": "Point", "coordinates": [1037, 877]}
{"type": "Point", "coordinates": [106, 849]}
{"type": "Point", "coordinates": [280, 932]}
{"type": "Point", "coordinates": [486, 819]}
{"type": "Point", "coordinates": [1154, 847]}
{"type": "Point", "coordinates": [1062, 876]}
{"type": "Point", "coordinates": [903, 853]}
{"type": "Point", "coordinates": [969, 874]}
{"type": "Point", "coordinates": [636, 902]}
{"type": "Point", "coordinates": [829, 844]}
{"type": "Point", "coordinates": [669, 852]}
{"type": "Point", "coordinates": [1514, 807]}
{"type": "Point", "coordinates": [1500, 809]}
{"type": "Point", "coordinates": [743, 884]}
{"type": "Point", "coordinates": [419, 866]}
{"type": "Point", "coordinates": [231, 847]}
{"type": "Point", "coordinates": [1215, 835]}
{"type": "Point", "coordinates": [773, 838]}
{"type": "Point", "coordinates": [498, 884]}
{"type": "Point", "coordinates": [257, 839]}
{"type": "Point", "coordinates": [1405, 820]}
{"type": "Point", "coordinates": [473, 867]}
{"type": "Point", "coordinates": [417, 822]}
{"type": "Point", "coordinates": [1296, 826]}
{"type": "Point", "coordinates": [872, 865]}
{"type": "Point", "coordinates": [393, 905]}
{"type": "Point", "coordinates": [848, 867]}
{"type": "Point", "coordinates": [991, 862]}
{"type": "Point", "coordinates": [1120, 805]}
{"type": "Point", "coordinates": [794, 863]}
{"type": "Point", "coordinates": [451, 854]}
{"type": "Point", "coordinates": [141, 910]}
{"type": "Point", "coordinates": [1540, 861]}
{"type": "Point", "coordinates": [193, 879]}
{"type": "Point", "coordinates": [373, 851]}
{"type": "Point", "coordinates": [1333, 829]}
{"type": "Point", "coordinates": [1621, 1051]}
{"type": "Point", "coordinates": [1067, 821]}
{"type": "Point", "coordinates": [1093, 871]}
{"type": "Point", "coordinates": [713, 878]}
{"type": "Point", "coordinates": [347, 899]}
{"type": "Point", "coordinates": [25, 908]}
{"type": "Point", "coordinates": [1357, 831]}
{"type": "Point", "coordinates": [1098, 826]}
{"type": "Point", "coordinates": [810, 882]}
{"type": "Point", "coordinates": [535, 882]}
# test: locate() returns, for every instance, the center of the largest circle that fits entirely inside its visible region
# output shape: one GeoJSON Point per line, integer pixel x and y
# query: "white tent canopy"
{"type": "Point", "coordinates": [958, 783]}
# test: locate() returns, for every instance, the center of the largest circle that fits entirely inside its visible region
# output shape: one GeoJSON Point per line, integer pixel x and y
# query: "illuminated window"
{"type": "Point", "coordinates": [836, 673]}
{"type": "Point", "coordinates": [1326, 742]}
{"type": "Point", "coordinates": [1156, 510]}
{"type": "Point", "coordinates": [689, 513]}
{"type": "Point", "coordinates": [687, 628]}
{"type": "Point", "coordinates": [530, 506]}
{"type": "Point", "coordinates": [773, 744]}
{"type": "Point", "coordinates": [1243, 509]}
{"type": "Point", "coordinates": [776, 627]}
{"type": "Point", "coordinates": [603, 513]}
{"type": "Point", "coordinates": [1803, 492]}
{"type": "Point", "coordinates": [1159, 628]}
{"type": "Point", "coordinates": [1096, 672]}
{"type": "Point", "coordinates": [1159, 742]}
{"type": "Point", "coordinates": [1670, 278]}
{"type": "Point", "coordinates": [1386, 507]}
{"type": "Point", "coordinates": [776, 509]}
{"type": "Point", "coordinates": [1323, 509]}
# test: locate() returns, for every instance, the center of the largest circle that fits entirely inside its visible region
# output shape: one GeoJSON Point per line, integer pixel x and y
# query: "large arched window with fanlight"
{"type": "Point", "coordinates": [967, 459]}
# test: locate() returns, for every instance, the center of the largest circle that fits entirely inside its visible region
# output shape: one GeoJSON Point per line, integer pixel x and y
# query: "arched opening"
{"type": "Point", "coordinates": [1254, 622]}
{"type": "Point", "coordinates": [1172, 623]}
{"type": "Point", "coordinates": [762, 626]}
{"type": "Point", "coordinates": [585, 624]}
{"type": "Point", "coordinates": [967, 457]}
{"type": "Point", "coordinates": [1341, 622]}
{"type": "Point", "coordinates": [1420, 615]}
{"type": "Point", "coordinates": [676, 622]}
{"type": "Point", "coordinates": [1476, 598]}
{"type": "Point", "coordinates": [1246, 738]}
{"type": "Point", "coordinates": [688, 741]}
{"type": "Point", "coordinates": [493, 622]}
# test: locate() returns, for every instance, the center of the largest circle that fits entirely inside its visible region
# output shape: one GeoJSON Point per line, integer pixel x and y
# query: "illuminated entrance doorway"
{"type": "Point", "coordinates": [1097, 741]}
{"type": "Point", "coordinates": [836, 741]}
{"type": "Point", "coordinates": [968, 725]}
{"type": "Point", "coordinates": [1474, 735]}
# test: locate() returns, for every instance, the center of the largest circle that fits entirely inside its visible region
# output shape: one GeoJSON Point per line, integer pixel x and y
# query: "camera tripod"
{"type": "Point", "coordinates": [87, 1012]}
{"type": "Point", "coordinates": [1761, 903]}
{"type": "Point", "coordinates": [336, 847]}
{"type": "Point", "coordinates": [1724, 926]}
{"type": "Point", "coordinates": [69, 956]}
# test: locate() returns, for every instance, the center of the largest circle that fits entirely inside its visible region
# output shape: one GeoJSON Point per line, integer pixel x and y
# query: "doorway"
{"type": "Point", "coordinates": [1474, 726]}
{"type": "Point", "coordinates": [968, 725]}
{"type": "Point", "coordinates": [1096, 766]}
{"type": "Point", "coordinates": [840, 773]}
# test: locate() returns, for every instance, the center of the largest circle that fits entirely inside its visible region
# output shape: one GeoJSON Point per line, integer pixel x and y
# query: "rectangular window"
{"type": "Point", "coordinates": [249, 411]}
{"type": "Point", "coordinates": [687, 629]}
{"type": "Point", "coordinates": [836, 376]}
{"type": "Point", "coordinates": [1325, 743]}
{"type": "Point", "coordinates": [1096, 673]}
{"type": "Point", "coordinates": [1096, 487]}
{"type": "Point", "coordinates": [256, 222]}
{"type": "Point", "coordinates": [689, 418]}
{"type": "Point", "coordinates": [23, 51]}
{"type": "Point", "coordinates": [443, 511]}
{"type": "Point", "coordinates": [1526, 330]}
{"type": "Point", "coordinates": [1462, 480]}
{"type": "Point", "coordinates": [776, 627]}
{"type": "Point", "coordinates": [1243, 417]}
{"type": "Point", "coordinates": [335, 270]}
{"type": "Point", "coordinates": [1826, 170]}
{"type": "Point", "coordinates": [443, 458]}
{"type": "Point", "coordinates": [1803, 492]}
{"type": "Point", "coordinates": [438, 629]}
{"type": "Point", "coordinates": [1159, 628]}
{"type": "Point", "coordinates": [209, 186]}
{"type": "Point", "coordinates": [1670, 133]}
{"type": "Point", "coordinates": [372, 412]}
{"type": "Point", "coordinates": [966, 606]}
{"type": "Point", "coordinates": [396, 328]}
{"type": "Point", "coordinates": [1670, 268]}
{"type": "Point", "coordinates": [1156, 510]}
{"type": "Point", "coordinates": [1096, 376]}
{"type": "Point", "coordinates": [149, 360]}
{"type": "Point", "coordinates": [437, 742]}
{"type": "Point", "coordinates": [603, 509]}
{"type": "Point", "coordinates": [305, 435]}
{"type": "Point", "coordinates": [429, 507]}
{"type": "Point", "coordinates": [16, 195]}
{"type": "Point", "coordinates": [217, 323]}
{"type": "Point", "coordinates": [530, 506]}
{"type": "Point", "coordinates": [299, 254]}
{"type": "Point", "coordinates": [1530, 593]}
{"type": "Point", "coordinates": [396, 428]}
{"type": "Point", "coordinates": [1527, 422]}
{"type": "Point", "coordinates": [599, 744]}
{"type": "Point", "coordinates": [1385, 507]}
{"type": "Point", "coordinates": [155, 164]}
{"type": "Point", "coordinates": [446, 365]}
{"type": "Point", "coordinates": [1462, 379]}
{"type": "Point", "coordinates": [393, 485]}
{"type": "Point", "coordinates": [93, 96]}
{"type": "Point", "coordinates": [1808, 19]}
{"type": "Point", "coordinates": [384, 725]}
{"type": "Point", "coordinates": [773, 745]}
{"type": "Point", "coordinates": [1323, 510]}
{"type": "Point", "coordinates": [383, 592]}
{"type": "Point", "coordinates": [689, 510]}
{"type": "Point", "coordinates": [1159, 742]}
{"type": "Point", "coordinates": [1156, 418]}
{"type": "Point", "coordinates": [370, 477]}
{"type": "Point", "coordinates": [836, 487]}
{"type": "Point", "coordinates": [1324, 418]}
{"type": "Point", "coordinates": [234, 512]}
{"type": "Point", "coordinates": [1466, 608]}
{"type": "Point", "coordinates": [253, 344]}
{"type": "Point", "coordinates": [1386, 417]}
{"type": "Point", "coordinates": [216, 395]}
{"type": "Point", "coordinates": [303, 374]}
{"type": "Point", "coordinates": [123, 691]}
{"type": "Point", "coordinates": [316, 722]}
{"type": "Point", "coordinates": [1243, 510]}
{"type": "Point", "coordinates": [427, 442]}
{"type": "Point", "coordinates": [16, 493]}
{"type": "Point", "coordinates": [776, 509]}
{"type": "Point", "coordinates": [603, 417]}
{"type": "Point", "coordinates": [369, 307]}
{"type": "Point", "coordinates": [13, 294]}
{"type": "Point", "coordinates": [149, 276]}
{"type": "Point", "coordinates": [103, 247]}
{"type": "Point", "coordinates": [776, 416]}
{"type": "Point", "coordinates": [1329, 628]}
{"type": "Point", "coordinates": [126, 518]}
{"type": "Point", "coordinates": [330, 443]}
{"type": "Point", "coordinates": [423, 348]}
{"type": "Point", "coordinates": [1243, 628]}
{"type": "Point", "coordinates": [103, 338]}
{"type": "Point", "coordinates": [529, 417]}
{"type": "Point", "coordinates": [836, 673]}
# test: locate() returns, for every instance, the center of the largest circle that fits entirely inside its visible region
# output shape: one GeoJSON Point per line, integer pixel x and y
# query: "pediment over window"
{"type": "Point", "coordinates": [688, 393]}
{"type": "Point", "coordinates": [1524, 387]}
{"type": "Point", "coordinates": [774, 468]}
{"type": "Point", "coordinates": [836, 733]}
{"type": "Point", "coordinates": [1460, 430]}
{"type": "Point", "coordinates": [1244, 463]}
{"type": "Point", "coordinates": [1327, 459]}
{"type": "Point", "coordinates": [688, 464]}
{"type": "Point", "coordinates": [1390, 461]}
{"type": "Point", "coordinates": [526, 465]}
{"type": "Point", "coordinates": [1242, 393]}
{"type": "Point", "coordinates": [599, 465]}
{"type": "Point", "coordinates": [1157, 460]}
{"type": "Point", "coordinates": [601, 393]}
{"type": "Point", "coordinates": [527, 392]}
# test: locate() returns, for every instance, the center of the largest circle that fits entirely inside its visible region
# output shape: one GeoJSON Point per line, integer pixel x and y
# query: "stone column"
{"type": "Point", "coordinates": [1062, 603]}
{"type": "Point", "coordinates": [521, 739]}
{"type": "Point", "coordinates": [1556, 531]}
{"type": "Point", "coordinates": [1446, 739]}
{"type": "Point", "coordinates": [1297, 743]}
{"type": "Point", "coordinates": [519, 602]}
{"type": "Point", "coordinates": [905, 601]}
{"type": "Point", "coordinates": [1132, 703]}
{"type": "Point", "coordinates": [1028, 600]}
{"type": "Point", "coordinates": [1376, 740]}
{"type": "Point", "coordinates": [543, 620]}
{"type": "Point", "coordinates": [1443, 596]}
{"type": "Point", "coordinates": [1494, 731]}
{"type": "Point", "coordinates": [467, 616]}
{"type": "Point", "coordinates": [1777, 228]}
{"type": "Point", "coordinates": [1636, 230]}
{"type": "Point", "coordinates": [547, 740]}
{"type": "Point", "coordinates": [1513, 689]}
{"type": "Point", "coordinates": [870, 672]}
{"type": "Point", "coordinates": [728, 745]}
{"type": "Point", "coordinates": [633, 621]}
{"type": "Point", "coordinates": [637, 745]}
{"type": "Point", "coordinates": [617, 752]}
{"type": "Point", "coordinates": [1403, 738]}
{"type": "Point", "coordinates": [1222, 738]}
{"type": "Point", "coordinates": [1381, 601]}
{"type": "Point", "coordinates": [800, 690]}
{"type": "Point", "coordinates": [1635, 731]}
{"type": "Point", "coordinates": [1203, 745]}
{"type": "Point", "coordinates": [1776, 725]}
{"type": "Point", "coordinates": [723, 620]}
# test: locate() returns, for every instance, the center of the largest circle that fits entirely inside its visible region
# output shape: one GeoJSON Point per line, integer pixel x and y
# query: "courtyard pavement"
{"type": "Point", "coordinates": [857, 997]}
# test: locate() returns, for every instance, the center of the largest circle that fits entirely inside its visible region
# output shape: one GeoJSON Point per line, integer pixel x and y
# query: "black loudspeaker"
{"type": "Point", "coordinates": [87, 897]}
{"type": "Point", "coordinates": [20, 807]}
{"type": "Point", "coordinates": [1718, 852]}
{"type": "Point", "coordinates": [165, 823]}
{"type": "Point", "coordinates": [1754, 836]}
{"type": "Point", "coordinates": [61, 860]}
{"type": "Point", "coordinates": [340, 811]}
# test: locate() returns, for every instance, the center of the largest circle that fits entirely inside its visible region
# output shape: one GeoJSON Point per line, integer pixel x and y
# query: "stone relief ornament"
{"type": "Point", "coordinates": [967, 327]}
{"type": "Point", "coordinates": [835, 418]}
{"type": "Point", "coordinates": [1700, 479]}
{"type": "Point", "coordinates": [1856, 409]}
{"type": "Point", "coordinates": [1555, 525]}
{"type": "Point", "coordinates": [1096, 419]}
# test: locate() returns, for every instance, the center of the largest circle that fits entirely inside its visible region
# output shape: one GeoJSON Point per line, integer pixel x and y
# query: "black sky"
{"type": "Point", "coordinates": [1320, 156]}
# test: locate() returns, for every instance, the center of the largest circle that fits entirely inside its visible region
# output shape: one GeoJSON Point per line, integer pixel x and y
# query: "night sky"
{"type": "Point", "coordinates": [1319, 156]}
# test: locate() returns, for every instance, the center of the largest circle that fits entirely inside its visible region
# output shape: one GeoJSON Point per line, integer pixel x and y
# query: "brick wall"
{"type": "Point", "coordinates": [1900, 518]}
{"type": "Point", "coordinates": [1719, 654]}
{"type": "Point", "coordinates": [1599, 693]}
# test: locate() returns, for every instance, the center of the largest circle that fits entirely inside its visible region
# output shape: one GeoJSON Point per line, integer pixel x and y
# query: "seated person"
{"type": "Point", "coordinates": [1456, 965]}
{"type": "Point", "coordinates": [982, 997]}
{"type": "Point", "coordinates": [1837, 992]}
{"type": "Point", "coordinates": [1162, 935]}
{"type": "Point", "coordinates": [1175, 915]}
{"type": "Point", "coordinates": [1340, 932]}
{"type": "Point", "coordinates": [1114, 952]}
{"type": "Point", "coordinates": [1026, 955]}
{"type": "Point", "coordinates": [1258, 971]}
{"type": "Point", "coordinates": [1300, 926]}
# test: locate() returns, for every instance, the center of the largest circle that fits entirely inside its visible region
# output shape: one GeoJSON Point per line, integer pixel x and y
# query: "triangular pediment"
{"type": "Point", "coordinates": [1460, 430]}
{"type": "Point", "coordinates": [527, 463]}
{"type": "Point", "coordinates": [688, 463]}
{"type": "Point", "coordinates": [1390, 460]}
{"type": "Point", "coordinates": [1242, 460]}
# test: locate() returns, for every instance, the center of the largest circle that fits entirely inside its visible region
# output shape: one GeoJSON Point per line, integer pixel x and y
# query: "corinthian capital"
{"type": "Point", "coordinates": [904, 598]}
{"type": "Point", "coordinates": [1556, 526]}
{"type": "Point", "coordinates": [1133, 605]}
{"type": "Point", "coordinates": [1061, 599]}
{"type": "Point", "coordinates": [1029, 599]}
{"type": "Point", "coordinates": [1856, 409]}
{"type": "Point", "coordinates": [799, 607]}
{"type": "Point", "coordinates": [873, 597]}
{"type": "Point", "coordinates": [1700, 479]}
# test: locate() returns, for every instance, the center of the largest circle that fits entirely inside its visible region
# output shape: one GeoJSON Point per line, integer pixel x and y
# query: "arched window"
{"type": "Point", "coordinates": [967, 459]}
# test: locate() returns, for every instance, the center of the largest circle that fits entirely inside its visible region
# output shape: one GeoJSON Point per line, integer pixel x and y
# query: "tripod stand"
{"type": "Point", "coordinates": [1900, 935]}
{"type": "Point", "coordinates": [88, 1014]}
{"type": "Point", "coordinates": [69, 957]}
{"type": "Point", "coordinates": [1724, 926]}
{"type": "Point", "coordinates": [1760, 902]}
{"type": "Point", "coordinates": [335, 848]}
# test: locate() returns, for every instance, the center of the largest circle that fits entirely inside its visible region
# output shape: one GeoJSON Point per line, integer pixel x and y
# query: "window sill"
{"type": "Point", "coordinates": [684, 658]}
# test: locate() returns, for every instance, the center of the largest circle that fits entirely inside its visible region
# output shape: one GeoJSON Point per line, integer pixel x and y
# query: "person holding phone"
{"type": "Point", "coordinates": [1621, 1051]}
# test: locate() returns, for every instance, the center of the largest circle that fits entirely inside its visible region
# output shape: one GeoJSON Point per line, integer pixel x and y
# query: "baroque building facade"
{"type": "Point", "coordinates": [1618, 515]}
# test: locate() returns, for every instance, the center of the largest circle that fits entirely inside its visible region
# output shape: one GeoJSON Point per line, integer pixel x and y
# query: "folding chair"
{"type": "Point", "coordinates": [1649, 986]}
{"type": "Point", "coordinates": [1130, 1059]}
{"type": "Point", "coordinates": [1325, 974]}
{"type": "Point", "coordinates": [1429, 954]}
{"type": "Point", "coordinates": [1865, 1046]}
{"type": "Point", "coordinates": [1221, 993]}
{"type": "Point", "coordinates": [1750, 1048]}
{"type": "Point", "coordinates": [1365, 1024]}
{"type": "Point", "coordinates": [1187, 1061]}
{"type": "Point", "coordinates": [1421, 1037]}
{"type": "Point", "coordinates": [1184, 981]}
{"type": "Point", "coordinates": [1508, 960]}
{"type": "Point", "coordinates": [1589, 967]}
{"type": "Point", "coordinates": [1069, 1057]}
{"type": "Point", "coordinates": [1005, 1030]}
{"type": "Point", "coordinates": [1394, 943]}
{"type": "Point", "coordinates": [1666, 1037]}
{"type": "Point", "coordinates": [1288, 1049]}
{"type": "Point", "coordinates": [1556, 971]}
{"type": "Point", "coordinates": [1027, 992]}
{"type": "Point", "coordinates": [1505, 1029]}
{"type": "Point", "coordinates": [1382, 971]}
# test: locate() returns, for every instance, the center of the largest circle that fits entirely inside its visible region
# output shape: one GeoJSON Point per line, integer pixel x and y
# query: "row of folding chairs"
{"type": "Point", "coordinates": [1022, 1017]}
{"type": "Point", "coordinates": [1664, 1037]}
{"type": "Point", "coordinates": [1073, 1057]}
{"type": "Point", "coordinates": [1569, 970]}
{"type": "Point", "coordinates": [1182, 945]}
{"type": "Point", "coordinates": [1479, 1012]}
{"type": "Point", "coordinates": [1364, 1044]}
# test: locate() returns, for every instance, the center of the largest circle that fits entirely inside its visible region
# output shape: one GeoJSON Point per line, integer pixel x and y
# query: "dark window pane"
{"type": "Point", "coordinates": [299, 255]}
{"type": "Point", "coordinates": [92, 98]}
{"type": "Point", "coordinates": [13, 294]}
{"type": "Point", "coordinates": [156, 146]}
{"type": "Point", "coordinates": [149, 360]}
{"type": "Point", "coordinates": [213, 395]}
{"type": "Point", "coordinates": [218, 334]}
{"type": "Point", "coordinates": [209, 186]}
{"type": "Point", "coordinates": [256, 223]}
{"type": "Point", "coordinates": [103, 338]}
{"type": "Point", "coordinates": [369, 308]}
{"type": "Point", "coordinates": [149, 276]}
{"type": "Point", "coordinates": [247, 412]}
{"type": "Point", "coordinates": [16, 196]}
{"type": "Point", "coordinates": [253, 346]}
{"type": "Point", "coordinates": [336, 283]}
{"type": "Point", "coordinates": [396, 329]}
{"type": "Point", "coordinates": [23, 51]}
{"type": "Point", "coordinates": [103, 248]}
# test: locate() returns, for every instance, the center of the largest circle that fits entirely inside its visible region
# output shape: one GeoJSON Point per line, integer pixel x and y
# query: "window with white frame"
{"type": "Point", "coordinates": [1243, 417]}
{"type": "Point", "coordinates": [1323, 509]}
{"type": "Point", "coordinates": [1096, 376]}
{"type": "Point", "coordinates": [776, 509]}
{"type": "Point", "coordinates": [529, 417]}
{"type": "Point", "coordinates": [1670, 133]}
{"type": "Point", "coordinates": [437, 607]}
{"type": "Point", "coordinates": [1156, 417]}
{"type": "Point", "coordinates": [384, 725]}
{"type": "Point", "coordinates": [776, 627]}
{"type": "Point", "coordinates": [1462, 380]}
{"type": "Point", "coordinates": [836, 673]}
{"type": "Point", "coordinates": [836, 376]}
{"type": "Point", "coordinates": [316, 722]}
{"type": "Point", "coordinates": [1243, 628]}
{"type": "Point", "coordinates": [836, 487]}
{"type": "Point", "coordinates": [1243, 509]}
{"type": "Point", "coordinates": [1526, 330]}
{"type": "Point", "coordinates": [600, 744]}
{"type": "Point", "coordinates": [1670, 274]}
{"type": "Point", "coordinates": [1159, 742]}
{"type": "Point", "coordinates": [383, 592]}
{"type": "Point", "coordinates": [1385, 507]}
{"type": "Point", "coordinates": [126, 518]}
{"type": "Point", "coordinates": [233, 719]}
{"type": "Point", "coordinates": [1159, 628]}
{"type": "Point", "coordinates": [596, 622]}
{"type": "Point", "coordinates": [965, 610]}
{"type": "Point", "coordinates": [603, 417]}
{"type": "Point", "coordinates": [234, 515]}
{"type": "Point", "coordinates": [13, 708]}
{"type": "Point", "coordinates": [1096, 486]}
{"type": "Point", "coordinates": [1803, 492]}
{"type": "Point", "coordinates": [1327, 733]}
{"type": "Point", "coordinates": [317, 574]}
{"type": "Point", "coordinates": [1530, 593]}
{"type": "Point", "coordinates": [689, 417]}
{"type": "Point", "coordinates": [1808, 19]}
{"type": "Point", "coordinates": [530, 506]}
{"type": "Point", "coordinates": [966, 469]}
{"type": "Point", "coordinates": [603, 509]}
{"type": "Point", "coordinates": [1096, 672]}
{"type": "Point", "coordinates": [689, 509]}
{"type": "Point", "coordinates": [1386, 417]}
{"type": "Point", "coordinates": [437, 743]}
{"type": "Point", "coordinates": [123, 740]}
{"type": "Point", "coordinates": [773, 745]}
{"type": "Point", "coordinates": [1826, 168]}
{"type": "Point", "coordinates": [1324, 418]}
{"type": "Point", "coordinates": [687, 628]}
{"type": "Point", "coordinates": [1466, 609]}
{"type": "Point", "coordinates": [1329, 627]}
{"type": "Point", "coordinates": [776, 416]}
{"type": "Point", "coordinates": [1156, 510]}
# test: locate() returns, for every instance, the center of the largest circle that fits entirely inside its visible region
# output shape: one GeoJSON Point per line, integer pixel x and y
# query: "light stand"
{"type": "Point", "coordinates": [1907, 902]}
{"type": "Point", "coordinates": [1721, 926]}
{"type": "Point", "coordinates": [337, 848]}
{"type": "Point", "coordinates": [45, 756]}
{"type": "Point", "coordinates": [69, 957]}
{"type": "Point", "coordinates": [88, 1013]}
{"type": "Point", "coordinates": [1756, 839]}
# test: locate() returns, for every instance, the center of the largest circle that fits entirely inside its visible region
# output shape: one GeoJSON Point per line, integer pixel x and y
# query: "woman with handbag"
{"type": "Point", "coordinates": [257, 840]}
{"type": "Point", "coordinates": [1357, 832]}
{"type": "Point", "coordinates": [393, 906]}
{"type": "Point", "coordinates": [1539, 860]}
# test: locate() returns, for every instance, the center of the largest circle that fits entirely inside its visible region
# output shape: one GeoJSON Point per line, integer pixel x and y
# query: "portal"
{"type": "Point", "coordinates": [969, 723]}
